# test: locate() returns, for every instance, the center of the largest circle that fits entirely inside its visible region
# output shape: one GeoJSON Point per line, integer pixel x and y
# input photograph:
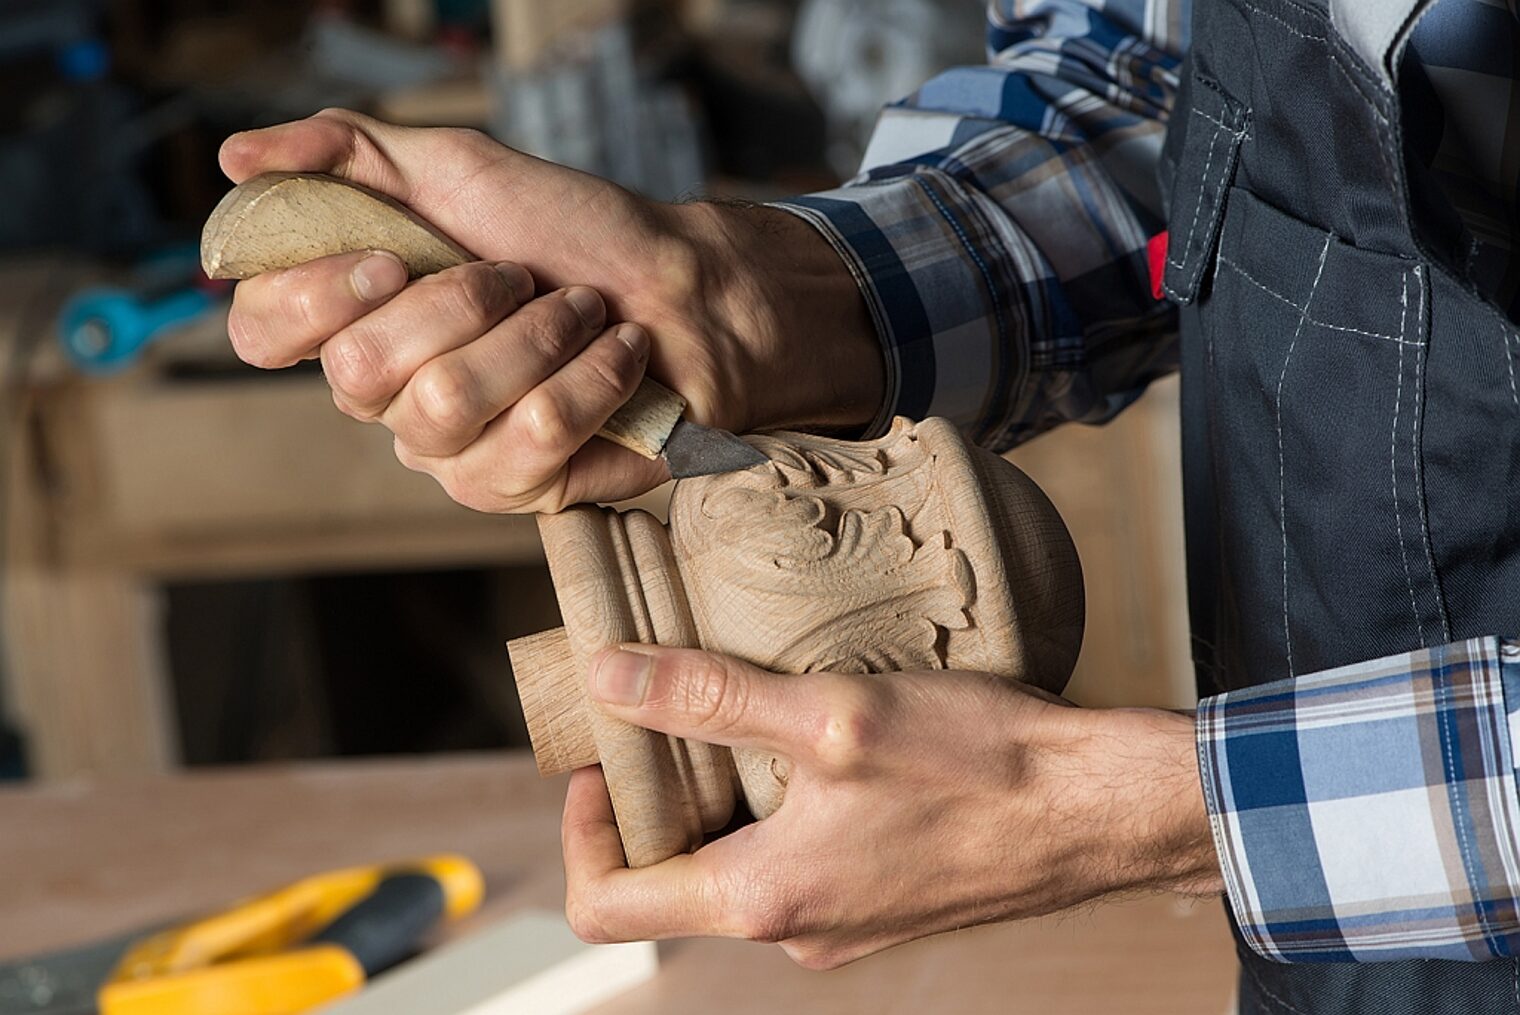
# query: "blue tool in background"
{"type": "Point", "coordinates": [103, 329]}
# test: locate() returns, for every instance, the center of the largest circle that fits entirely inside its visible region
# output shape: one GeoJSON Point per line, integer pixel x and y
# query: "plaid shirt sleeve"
{"type": "Point", "coordinates": [998, 228]}
{"type": "Point", "coordinates": [1370, 813]}
{"type": "Point", "coordinates": [997, 231]}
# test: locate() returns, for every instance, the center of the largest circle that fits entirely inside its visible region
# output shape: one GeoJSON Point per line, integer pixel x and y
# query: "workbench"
{"type": "Point", "coordinates": [85, 860]}
{"type": "Point", "coordinates": [187, 467]}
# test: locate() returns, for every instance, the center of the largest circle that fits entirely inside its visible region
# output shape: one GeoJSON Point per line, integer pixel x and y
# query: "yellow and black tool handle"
{"type": "Point", "coordinates": [388, 924]}
{"type": "Point", "coordinates": [295, 948]}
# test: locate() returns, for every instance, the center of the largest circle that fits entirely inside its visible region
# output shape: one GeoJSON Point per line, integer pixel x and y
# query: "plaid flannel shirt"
{"type": "Point", "coordinates": [998, 235]}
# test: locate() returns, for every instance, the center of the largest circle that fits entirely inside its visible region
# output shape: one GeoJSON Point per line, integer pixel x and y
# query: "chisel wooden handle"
{"type": "Point", "coordinates": [279, 220]}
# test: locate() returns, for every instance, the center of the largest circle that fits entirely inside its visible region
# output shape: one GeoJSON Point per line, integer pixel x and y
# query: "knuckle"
{"type": "Point", "coordinates": [475, 492]}
{"type": "Point", "coordinates": [712, 692]}
{"type": "Point", "coordinates": [445, 396]}
{"type": "Point", "coordinates": [471, 151]}
{"type": "Point", "coordinates": [581, 912]}
{"type": "Point", "coordinates": [407, 457]}
{"type": "Point", "coordinates": [552, 334]}
{"type": "Point", "coordinates": [761, 902]}
{"type": "Point", "coordinates": [814, 957]}
{"type": "Point", "coordinates": [466, 137]}
{"type": "Point", "coordinates": [354, 365]}
{"type": "Point", "coordinates": [767, 918]}
{"type": "Point", "coordinates": [772, 899]}
{"type": "Point", "coordinates": [467, 494]}
{"type": "Point", "coordinates": [298, 304]}
{"type": "Point", "coordinates": [477, 294]}
{"type": "Point", "coordinates": [248, 339]}
{"type": "Point", "coordinates": [349, 409]}
{"type": "Point", "coordinates": [613, 373]}
{"type": "Point", "coordinates": [849, 730]}
{"type": "Point", "coordinates": [767, 926]}
{"type": "Point", "coordinates": [546, 428]}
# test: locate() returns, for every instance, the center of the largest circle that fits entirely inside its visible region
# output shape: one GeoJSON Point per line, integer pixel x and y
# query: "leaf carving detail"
{"type": "Point", "coordinates": [822, 464]}
{"type": "Point", "coordinates": [872, 599]}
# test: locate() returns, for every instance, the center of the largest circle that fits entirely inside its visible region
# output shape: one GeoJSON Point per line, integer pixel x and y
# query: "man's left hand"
{"type": "Point", "coordinates": [916, 803]}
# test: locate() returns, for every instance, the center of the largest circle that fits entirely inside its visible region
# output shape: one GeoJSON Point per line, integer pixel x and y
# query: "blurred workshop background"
{"type": "Point", "coordinates": [205, 564]}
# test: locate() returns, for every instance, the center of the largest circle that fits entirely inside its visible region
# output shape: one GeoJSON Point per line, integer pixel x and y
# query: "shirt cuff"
{"type": "Point", "coordinates": [930, 266]}
{"type": "Point", "coordinates": [1369, 813]}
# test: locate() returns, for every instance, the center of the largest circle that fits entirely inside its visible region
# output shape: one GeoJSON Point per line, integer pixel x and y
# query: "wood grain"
{"type": "Point", "coordinates": [554, 703]}
{"type": "Point", "coordinates": [280, 220]}
{"type": "Point", "coordinates": [593, 578]}
{"type": "Point", "coordinates": [645, 421]}
{"type": "Point", "coordinates": [910, 552]}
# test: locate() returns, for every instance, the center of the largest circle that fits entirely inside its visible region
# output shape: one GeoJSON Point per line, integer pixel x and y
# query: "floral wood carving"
{"type": "Point", "coordinates": [912, 551]}
{"type": "Point", "coordinates": [800, 559]}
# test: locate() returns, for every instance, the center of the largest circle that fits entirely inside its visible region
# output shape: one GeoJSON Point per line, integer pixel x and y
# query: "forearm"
{"type": "Point", "coordinates": [1135, 784]}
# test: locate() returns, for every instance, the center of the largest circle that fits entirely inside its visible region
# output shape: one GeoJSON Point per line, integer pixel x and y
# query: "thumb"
{"type": "Point", "coordinates": [335, 141]}
{"type": "Point", "coordinates": [705, 696]}
{"type": "Point", "coordinates": [418, 166]}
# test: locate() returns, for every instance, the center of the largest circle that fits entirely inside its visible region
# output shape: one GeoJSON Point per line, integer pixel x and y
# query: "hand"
{"type": "Point", "coordinates": [916, 803]}
{"type": "Point", "coordinates": [747, 312]}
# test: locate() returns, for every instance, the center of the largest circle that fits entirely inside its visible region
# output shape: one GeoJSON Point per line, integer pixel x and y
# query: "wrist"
{"type": "Point", "coordinates": [1144, 784]}
{"type": "Point", "coordinates": [802, 350]}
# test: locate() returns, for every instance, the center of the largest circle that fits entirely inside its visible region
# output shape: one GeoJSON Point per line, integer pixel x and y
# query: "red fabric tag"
{"type": "Point", "coordinates": [1155, 258]}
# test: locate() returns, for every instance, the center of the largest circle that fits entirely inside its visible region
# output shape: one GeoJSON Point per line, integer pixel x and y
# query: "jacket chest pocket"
{"type": "Point", "coordinates": [1216, 127]}
{"type": "Point", "coordinates": [1313, 353]}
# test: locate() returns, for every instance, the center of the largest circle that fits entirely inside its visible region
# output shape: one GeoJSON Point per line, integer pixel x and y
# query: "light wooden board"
{"type": "Point", "coordinates": [528, 964]}
{"type": "Point", "coordinates": [82, 862]}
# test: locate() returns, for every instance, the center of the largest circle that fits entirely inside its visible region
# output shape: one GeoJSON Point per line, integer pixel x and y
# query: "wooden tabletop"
{"type": "Point", "coordinates": [82, 861]}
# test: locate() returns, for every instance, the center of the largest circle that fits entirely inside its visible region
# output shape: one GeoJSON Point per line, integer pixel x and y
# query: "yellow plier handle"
{"type": "Point", "coordinates": [241, 960]}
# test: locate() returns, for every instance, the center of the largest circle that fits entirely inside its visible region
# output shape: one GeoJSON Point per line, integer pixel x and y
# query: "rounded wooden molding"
{"type": "Point", "coordinates": [914, 551]}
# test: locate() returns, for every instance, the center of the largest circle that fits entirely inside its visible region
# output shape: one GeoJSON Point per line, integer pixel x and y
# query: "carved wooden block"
{"type": "Point", "coordinates": [910, 552]}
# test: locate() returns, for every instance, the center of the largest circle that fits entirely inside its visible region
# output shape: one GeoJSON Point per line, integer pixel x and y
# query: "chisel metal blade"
{"type": "Point", "coordinates": [696, 450]}
{"type": "Point", "coordinates": [65, 982]}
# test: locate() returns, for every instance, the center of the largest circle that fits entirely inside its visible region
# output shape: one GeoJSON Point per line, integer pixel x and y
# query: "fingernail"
{"type": "Point", "coordinates": [379, 275]}
{"type": "Point", "coordinates": [588, 304]}
{"type": "Point", "coordinates": [621, 677]}
{"type": "Point", "coordinates": [518, 279]}
{"type": "Point", "coordinates": [636, 339]}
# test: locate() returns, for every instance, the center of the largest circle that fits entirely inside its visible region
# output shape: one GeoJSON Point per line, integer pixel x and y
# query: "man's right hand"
{"type": "Point", "coordinates": [496, 392]}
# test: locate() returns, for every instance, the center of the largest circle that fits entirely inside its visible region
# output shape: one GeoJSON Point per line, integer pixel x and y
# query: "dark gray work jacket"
{"type": "Point", "coordinates": [1351, 435]}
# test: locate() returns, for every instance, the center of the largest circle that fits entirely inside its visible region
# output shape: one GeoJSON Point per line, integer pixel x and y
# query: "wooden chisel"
{"type": "Point", "coordinates": [279, 220]}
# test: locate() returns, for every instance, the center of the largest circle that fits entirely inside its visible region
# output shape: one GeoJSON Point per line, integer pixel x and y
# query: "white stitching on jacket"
{"type": "Point", "coordinates": [1282, 465]}
{"type": "Point", "coordinates": [1312, 320]}
{"type": "Point", "coordinates": [1393, 469]}
{"type": "Point", "coordinates": [1509, 361]}
{"type": "Point", "coordinates": [1414, 452]}
{"type": "Point", "coordinates": [1203, 182]}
